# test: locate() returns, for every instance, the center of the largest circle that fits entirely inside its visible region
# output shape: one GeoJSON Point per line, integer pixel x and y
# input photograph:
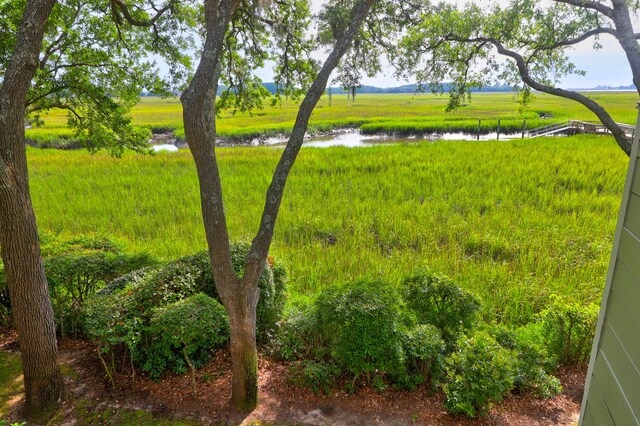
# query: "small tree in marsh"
{"type": "Point", "coordinates": [463, 45]}
{"type": "Point", "coordinates": [56, 55]}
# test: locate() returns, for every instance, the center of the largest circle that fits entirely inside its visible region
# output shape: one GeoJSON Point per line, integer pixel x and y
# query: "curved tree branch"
{"type": "Point", "coordinates": [124, 9]}
{"type": "Point", "coordinates": [523, 70]}
{"type": "Point", "coordinates": [580, 38]}
{"type": "Point", "coordinates": [58, 105]}
{"type": "Point", "coordinates": [589, 4]}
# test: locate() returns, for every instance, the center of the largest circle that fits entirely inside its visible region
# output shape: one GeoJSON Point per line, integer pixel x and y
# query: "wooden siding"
{"type": "Point", "coordinates": [612, 389]}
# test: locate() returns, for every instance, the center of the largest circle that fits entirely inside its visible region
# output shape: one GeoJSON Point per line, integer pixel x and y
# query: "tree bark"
{"type": "Point", "coordinates": [198, 102]}
{"type": "Point", "coordinates": [244, 353]}
{"type": "Point", "coordinates": [19, 244]}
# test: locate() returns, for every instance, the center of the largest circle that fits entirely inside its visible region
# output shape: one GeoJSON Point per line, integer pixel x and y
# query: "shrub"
{"type": "Point", "coordinates": [5, 316]}
{"type": "Point", "coordinates": [317, 376]}
{"type": "Point", "coordinates": [479, 373]}
{"type": "Point", "coordinates": [436, 300]}
{"type": "Point", "coordinates": [75, 268]}
{"type": "Point", "coordinates": [163, 286]}
{"type": "Point", "coordinates": [120, 315]}
{"type": "Point", "coordinates": [127, 280]}
{"type": "Point", "coordinates": [424, 349]}
{"type": "Point", "coordinates": [534, 364]}
{"type": "Point", "coordinates": [271, 310]}
{"type": "Point", "coordinates": [361, 324]}
{"type": "Point", "coordinates": [568, 329]}
{"type": "Point", "coordinates": [185, 332]}
{"type": "Point", "coordinates": [140, 301]}
{"type": "Point", "coordinates": [299, 336]}
{"type": "Point", "coordinates": [109, 322]}
{"type": "Point", "coordinates": [73, 277]}
{"type": "Point", "coordinates": [272, 284]}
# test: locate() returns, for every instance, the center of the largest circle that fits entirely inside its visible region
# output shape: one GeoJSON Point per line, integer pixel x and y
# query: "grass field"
{"type": "Point", "coordinates": [513, 221]}
{"type": "Point", "coordinates": [403, 113]}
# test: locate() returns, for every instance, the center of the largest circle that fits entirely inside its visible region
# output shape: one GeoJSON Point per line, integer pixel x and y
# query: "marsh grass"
{"type": "Point", "coordinates": [512, 221]}
{"type": "Point", "coordinates": [389, 113]}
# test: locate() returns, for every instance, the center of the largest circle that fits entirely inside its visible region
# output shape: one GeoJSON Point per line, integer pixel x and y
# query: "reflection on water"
{"type": "Point", "coordinates": [353, 138]}
{"type": "Point", "coordinates": [467, 137]}
{"type": "Point", "coordinates": [165, 147]}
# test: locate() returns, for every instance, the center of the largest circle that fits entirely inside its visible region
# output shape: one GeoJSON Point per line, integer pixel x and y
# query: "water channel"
{"type": "Point", "coordinates": [353, 138]}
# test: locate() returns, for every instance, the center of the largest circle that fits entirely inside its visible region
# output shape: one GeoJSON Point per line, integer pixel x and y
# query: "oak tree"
{"type": "Point", "coordinates": [66, 54]}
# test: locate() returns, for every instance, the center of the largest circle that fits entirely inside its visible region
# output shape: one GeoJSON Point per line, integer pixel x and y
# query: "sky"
{"type": "Point", "coordinates": [605, 67]}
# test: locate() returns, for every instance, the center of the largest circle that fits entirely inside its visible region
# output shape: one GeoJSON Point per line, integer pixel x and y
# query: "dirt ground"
{"type": "Point", "coordinates": [91, 400]}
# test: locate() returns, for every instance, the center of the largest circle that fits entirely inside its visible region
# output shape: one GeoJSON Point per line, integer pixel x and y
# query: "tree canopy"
{"type": "Point", "coordinates": [465, 46]}
{"type": "Point", "coordinates": [94, 65]}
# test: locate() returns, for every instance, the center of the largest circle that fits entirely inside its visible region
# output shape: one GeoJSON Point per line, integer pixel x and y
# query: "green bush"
{"type": "Point", "coordinates": [74, 277]}
{"type": "Point", "coordinates": [138, 301]}
{"type": "Point", "coordinates": [568, 329]}
{"type": "Point", "coordinates": [361, 323]}
{"type": "Point", "coordinates": [124, 281]}
{"type": "Point", "coordinates": [110, 323]}
{"type": "Point", "coordinates": [479, 373]}
{"type": "Point", "coordinates": [186, 331]}
{"type": "Point", "coordinates": [191, 274]}
{"type": "Point", "coordinates": [75, 268]}
{"type": "Point", "coordinates": [299, 336]}
{"type": "Point", "coordinates": [534, 364]}
{"type": "Point", "coordinates": [53, 245]}
{"type": "Point", "coordinates": [159, 287]}
{"type": "Point", "coordinates": [272, 284]}
{"type": "Point", "coordinates": [435, 299]}
{"type": "Point", "coordinates": [120, 315]}
{"type": "Point", "coordinates": [5, 316]}
{"type": "Point", "coordinates": [424, 350]}
{"type": "Point", "coordinates": [317, 376]}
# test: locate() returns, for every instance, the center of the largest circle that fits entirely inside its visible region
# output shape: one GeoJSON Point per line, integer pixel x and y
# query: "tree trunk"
{"type": "Point", "coordinates": [244, 354]}
{"type": "Point", "coordinates": [19, 245]}
{"type": "Point", "coordinates": [32, 312]}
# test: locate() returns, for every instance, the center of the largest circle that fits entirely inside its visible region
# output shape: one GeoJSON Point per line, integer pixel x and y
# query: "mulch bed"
{"type": "Point", "coordinates": [283, 403]}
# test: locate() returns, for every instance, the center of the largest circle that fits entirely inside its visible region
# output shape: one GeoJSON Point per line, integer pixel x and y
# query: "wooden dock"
{"type": "Point", "coordinates": [573, 127]}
